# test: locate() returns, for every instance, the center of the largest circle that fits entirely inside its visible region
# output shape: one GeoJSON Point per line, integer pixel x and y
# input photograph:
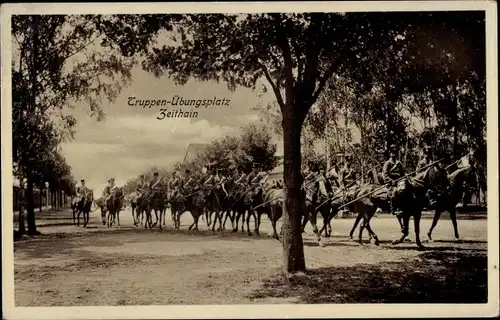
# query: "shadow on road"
{"type": "Point", "coordinates": [433, 277]}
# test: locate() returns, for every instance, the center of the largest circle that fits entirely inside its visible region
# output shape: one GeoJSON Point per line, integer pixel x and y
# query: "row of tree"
{"type": "Point", "coordinates": [253, 145]}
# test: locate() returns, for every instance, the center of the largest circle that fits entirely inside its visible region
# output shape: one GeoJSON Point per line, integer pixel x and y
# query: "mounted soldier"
{"type": "Point", "coordinates": [187, 183]}
{"type": "Point", "coordinates": [109, 191]}
{"type": "Point", "coordinates": [204, 179]}
{"type": "Point", "coordinates": [319, 177]}
{"type": "Point", "coordinates": [256, 177]}
{"type": "Point", "coordinates": [333, 174]}
{"type": "Point", "coordinates": [347, 175]}
{"type": "Point", "coordinates": [425, 159]}
{"type": "Point", "coordinates": [83, 191]}
{"type": "Point", "coordinates": [142, 187]}
{"type": "Point", "coordinates": [219, 180]}
{"type": "Point", "coordinates": [392, 171]}
{"type": "Point", "coordinates": [156, 186]}
{"type": "Point", "coordinates": [393, 168]}
{"type": "Point", "coordinates": [173, 186]}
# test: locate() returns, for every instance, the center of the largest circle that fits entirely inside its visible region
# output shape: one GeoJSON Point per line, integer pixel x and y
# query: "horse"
{"type": "Point", "coordinates": [142, 207]}
{"type": "Point", "coordinates": [327, 206]}
{"type": "Point", "coordinates": [408, 196]}
{"type": "Point", "coordinates": [102, 206]}
{"type": "Point", "coordinates": [449, 199]}
{"type": "Point", "coordinates": [194, 202]}
{"type": "Point", "coordinates": [114, 205]}
{"type": "Point", "coordinates": [249, 200]}
{"type": "Point", "coordinates": [214, 200]}
{"type": "Point", "coordinates": [74, 208]}
{"type": "Point", "coordinates": [177, 207]}
{"type": "Point", "coordinates": [365, 206]}
{"type": "Point", "coordinates": [132, 199]}
{"type": "Point", "coordinates": [156, 204]}
{"type": "Point", "coordinates": [273, 207]}
{"type": "Point", "coordinates": [84, 206]}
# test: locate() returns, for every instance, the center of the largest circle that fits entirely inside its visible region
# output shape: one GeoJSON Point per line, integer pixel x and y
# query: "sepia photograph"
{"type": "Point", "coordinates": [249, 156]}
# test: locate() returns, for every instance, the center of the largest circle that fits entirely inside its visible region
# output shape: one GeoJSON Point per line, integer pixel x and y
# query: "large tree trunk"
{"type": "Point", "coordinates": [30, 205]}
{"type": "Point", "coordinates": [293, 248]}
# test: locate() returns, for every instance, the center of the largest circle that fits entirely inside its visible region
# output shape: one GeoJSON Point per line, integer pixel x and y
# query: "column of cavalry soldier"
{"type": "Point", "coordinates": [222, 189]}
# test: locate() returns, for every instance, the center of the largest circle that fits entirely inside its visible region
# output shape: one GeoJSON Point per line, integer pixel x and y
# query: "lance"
{"type": "Point", "coordinates": [383, 186]}
{"type": "Point", "coordinates": [344, 188]}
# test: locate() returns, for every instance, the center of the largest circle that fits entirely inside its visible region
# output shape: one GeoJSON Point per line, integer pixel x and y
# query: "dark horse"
{"type": "Point", "coordinates": [114, 205]}
{"type": "Point", "coordinates": [448, 200]}
{"type": "Point", "coordinates": [193, 202]}
{"type": "Point", "coordinates": [327, 206]}
{"type": "Point", "coordinates": [156, 204]}
{"type": "Point", "coordinates": [84, 206]}
{"type": "Point", "coordinates": [409, 195]}
{"type": "Point", "coordinates": [215, 199]}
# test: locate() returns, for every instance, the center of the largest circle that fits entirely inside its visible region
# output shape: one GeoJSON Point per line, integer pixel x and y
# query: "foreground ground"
{"type": "Point", "coordinates": [97, 266]}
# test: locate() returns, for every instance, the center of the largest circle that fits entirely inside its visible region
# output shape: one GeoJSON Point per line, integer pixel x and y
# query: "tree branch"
{"type": "Point", "coordinates": [274, 86]}
{"type": "Point", "coordinates": [322, 83]}
{"type": "Point", "coordinates": [287, 68]}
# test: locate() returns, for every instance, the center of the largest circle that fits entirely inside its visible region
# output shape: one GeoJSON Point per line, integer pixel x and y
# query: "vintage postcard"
{"type": "Point", "coordinates": [250, 160]}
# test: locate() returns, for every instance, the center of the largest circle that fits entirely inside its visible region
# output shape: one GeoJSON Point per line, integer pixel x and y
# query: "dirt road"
{"type": "Point", "coordinates": [125, 265]}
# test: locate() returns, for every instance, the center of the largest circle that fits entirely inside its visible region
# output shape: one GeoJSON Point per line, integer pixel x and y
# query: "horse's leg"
{"type": "Point", "coordinates": [118, 217]}
{"type": "Point", "coordinates": [103, 216]}
{"type": "Point", "coordinates": [74, 218]}
{"type": "Point", "coordinates": [358, 219]}
{"type": "Point", "coordinates": [401, 222]}
{"type": "Point", "coordinates": [406, 221]}
{"type": "Point", "coordinates": [326, 219]}
{"type": "Point", "coordinates": [369, 229]}
{"type": "Point", "coordinates": [208, 217]}
{"type": "Point", "coordinates": [416, 219]}
{"type": "Point", "coordinates": [225, 214]}
{"type": "Point", "coordinates": [361, 228]}
{"type": "Point", "coordinates": [330, 217]}
{"type": "Point", "coordinates": [257, 223]}
{"type": "Point", "coordinates": [197, 219]}
{"type": "Point", "coordinates": [173, 213]}
{"type": "Point", "coordinates": [156, 216]}
{"type": "Point", "coordinates": [193, 214]}
{"type": "Point", "coordinates": [237, 214]}
{"type": "Point", "coordinates": [305, 219]}
{"type": "Point", "coordinates": [250, 214]}
{"type": "Point", "coordinates": [243, 217]}
{"type": "Point", "coordinates": [213, 211]}
{"type": "Point", "coordinates": [313, 216]}
{"type": "Point", "coordinates": [219, 215]}
{"type": "Point", "coordinates": [437, 215]}
{"type": "Point", "coordinates": [273, 219]}
{"type": "Point", "coordinates": [453, 216]}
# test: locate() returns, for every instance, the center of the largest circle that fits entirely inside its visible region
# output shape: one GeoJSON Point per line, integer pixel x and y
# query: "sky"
{"type": "Point", "coordinates": [131, 139]}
